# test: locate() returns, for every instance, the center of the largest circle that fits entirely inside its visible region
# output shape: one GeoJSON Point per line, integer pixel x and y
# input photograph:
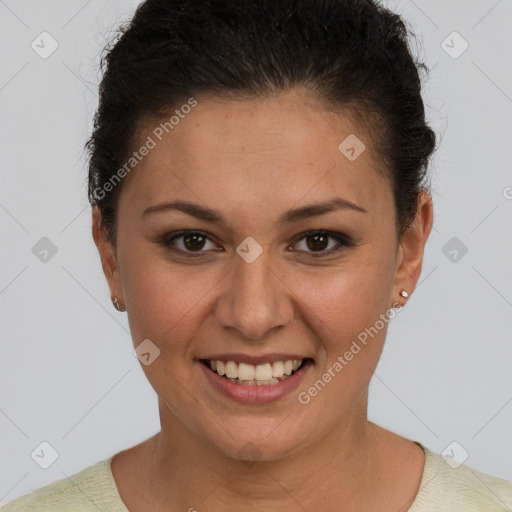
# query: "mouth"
{"type": "Point", "coordinates": [271, 378]}
{"type": "Point", "coordinates": [265, 374]}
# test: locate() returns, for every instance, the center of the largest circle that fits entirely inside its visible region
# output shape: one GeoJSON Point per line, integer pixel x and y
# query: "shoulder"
{"type": "Point", "coordinates": [448, 486]}
{"type": "Point", "coordinates": [91, 489]}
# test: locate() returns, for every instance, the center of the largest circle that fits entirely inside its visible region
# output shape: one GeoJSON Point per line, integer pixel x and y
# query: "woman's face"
{"type": "Point", "coordinates": [255, 287]}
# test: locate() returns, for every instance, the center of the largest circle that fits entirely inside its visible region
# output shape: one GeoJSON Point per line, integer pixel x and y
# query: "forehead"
{"type": "Point", "coordinates": [245, 153]}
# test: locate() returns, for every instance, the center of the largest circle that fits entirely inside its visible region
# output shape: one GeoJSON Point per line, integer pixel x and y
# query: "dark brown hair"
{"type": "Point", "coordinates": [354, 55]}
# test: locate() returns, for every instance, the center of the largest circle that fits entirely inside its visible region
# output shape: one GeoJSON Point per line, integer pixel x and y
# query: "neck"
{"type": "Point", "coordinates": [186, 472]}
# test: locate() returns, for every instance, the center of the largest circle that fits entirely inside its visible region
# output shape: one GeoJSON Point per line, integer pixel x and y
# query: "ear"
{"type": "Point", "coordinates": [108, 256]}
{"type": "Point", "coordinates": [412, 245]}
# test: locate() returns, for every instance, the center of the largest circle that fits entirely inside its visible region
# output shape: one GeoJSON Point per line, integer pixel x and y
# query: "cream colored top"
{"type": "Point", "coordinates": [442, 488]}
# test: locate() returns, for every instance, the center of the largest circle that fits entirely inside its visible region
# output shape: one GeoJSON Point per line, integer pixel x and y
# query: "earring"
{"type": "Point", "coordinates": [116, 304]}
{"type": "Point", "coordinates": [404, 294]}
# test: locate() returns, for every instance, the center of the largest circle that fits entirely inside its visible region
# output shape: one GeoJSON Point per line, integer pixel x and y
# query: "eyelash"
{"type": "Point", "coordinates": [342, 240]}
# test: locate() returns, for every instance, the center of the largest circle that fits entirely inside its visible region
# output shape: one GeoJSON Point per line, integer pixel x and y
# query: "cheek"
{"type": "Point", "coordinates": [165, 302]}
{"type": "Point", "coordinates": [343, 309]}
{"type": "Point", "coordinates": [347, 297]}
{"type": "Point", "coordinates": [344, 313]}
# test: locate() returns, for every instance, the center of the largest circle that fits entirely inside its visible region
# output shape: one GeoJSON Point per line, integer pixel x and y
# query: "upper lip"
{"type": "Point", "coordinates": [254, 360]}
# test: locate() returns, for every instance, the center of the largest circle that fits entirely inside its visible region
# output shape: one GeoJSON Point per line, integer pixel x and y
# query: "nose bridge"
{"type": "Point", "coordinates": [254, 301]}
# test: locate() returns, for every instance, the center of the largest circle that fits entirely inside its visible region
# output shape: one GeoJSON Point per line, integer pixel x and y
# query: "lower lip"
{"type": "Point", "coordinates": [255, 394]}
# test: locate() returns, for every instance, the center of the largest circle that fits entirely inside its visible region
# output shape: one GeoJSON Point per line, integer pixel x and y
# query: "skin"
{"type": "Point", "coordinates": [251, 161]}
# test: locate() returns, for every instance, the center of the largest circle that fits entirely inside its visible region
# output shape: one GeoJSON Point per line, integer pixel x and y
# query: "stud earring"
{"type": "Point", "coordinates": [116, 304]}
{"type": "Point", "coordinates": [404, 294]}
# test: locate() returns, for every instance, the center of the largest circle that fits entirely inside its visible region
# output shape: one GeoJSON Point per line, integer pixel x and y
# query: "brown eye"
{"type": "Point", "coordinates": [194, 242]}
{"type": "Point", "coordinates": [189, 242]}
{"type": "Point", "coordinates": [322, 243]}
{"type": "Point", "coordinates": [317, 242]}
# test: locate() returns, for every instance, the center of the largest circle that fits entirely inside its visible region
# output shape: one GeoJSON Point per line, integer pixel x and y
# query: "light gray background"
{"type": "Point", "coordinates": [67, 372]}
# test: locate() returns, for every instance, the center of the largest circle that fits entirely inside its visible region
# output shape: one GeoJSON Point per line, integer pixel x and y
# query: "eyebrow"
{"type": "Point", "coordinates": [288, 217]}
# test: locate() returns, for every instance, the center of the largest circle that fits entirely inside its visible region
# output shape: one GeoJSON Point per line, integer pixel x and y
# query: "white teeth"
{"type": "Point", "coordinates": [263, 372]}
{"type": "Point", "coordinates": [231, 370]}
{"type": "Point", "coordinates": [260, 375]}
{"type": "Point", "coordinates": [266, 382]}
{"type": "Point", "coordinates": [278, 369]}
{"type": "Point", "coordinates": [245, 371]}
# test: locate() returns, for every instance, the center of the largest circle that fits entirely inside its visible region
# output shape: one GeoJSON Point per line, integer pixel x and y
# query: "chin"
{"type": "Point", "coordinates": [259, 444]}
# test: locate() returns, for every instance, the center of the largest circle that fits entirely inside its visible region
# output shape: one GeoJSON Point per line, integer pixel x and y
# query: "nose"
{"type": "Point", "coordinates": [254, 300]}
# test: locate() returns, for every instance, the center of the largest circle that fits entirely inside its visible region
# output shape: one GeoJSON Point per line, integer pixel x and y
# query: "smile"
{"type": "Point", "coordinates": [266, 374]}
{"type": "Point", "coordinates": [249, 383]}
